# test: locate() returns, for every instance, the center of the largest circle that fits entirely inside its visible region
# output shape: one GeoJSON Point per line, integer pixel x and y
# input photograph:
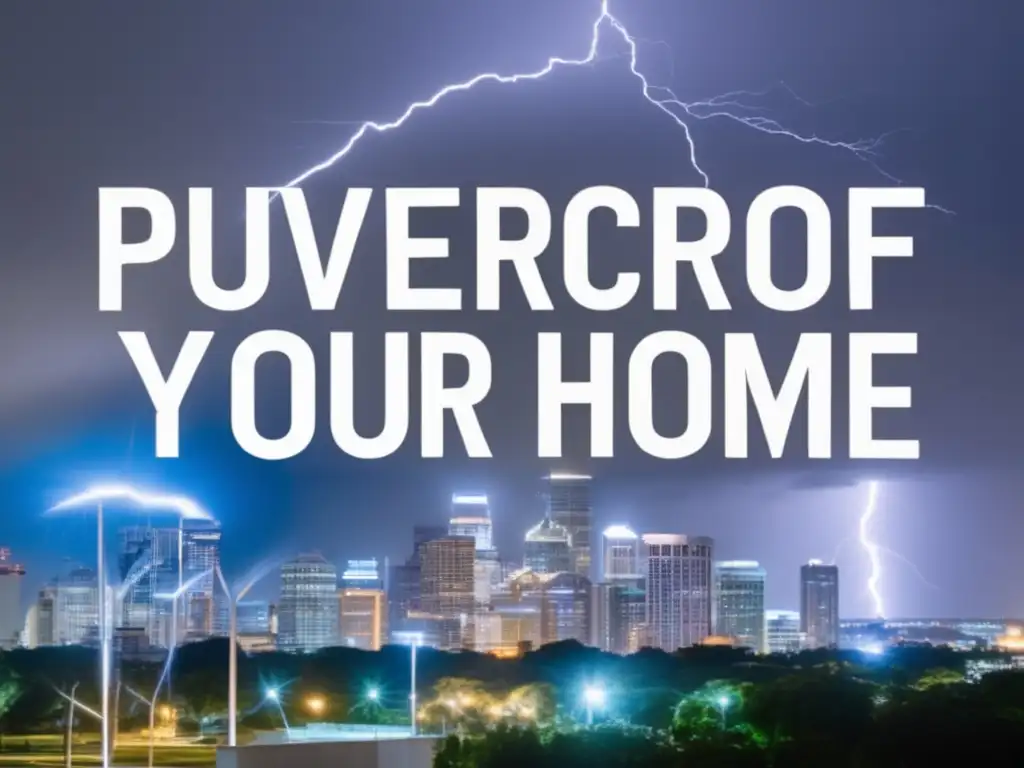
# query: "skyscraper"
{"type": "Point", "coordinates": [205, 608]}
{"type": "Point", "coordinates": [446, 583]}
{"type": "Point", "coordinates": [471, 516]}
{"type": "Point", "coordinates": [819, 604]}
{"type": "Point", "coordinates": [547, 548]}
{"type": "Point", "coordinates": [75, 608]}
{"type": "Point", "coordinates": [148, 560]}
{"type": "Point", "coordinates": [12, 620]}
{"type": "Point", "coordinates": [621, 555]}
{"type": "Point", "coordinates": [679, 589]}
{"type": "Point", "coordinates": [361, 574]}
{"type": "Point", "coordinates": [308, 609]}
{"type": "Point", "coordinates": [361, 618]}
{"type": "Point", "coordinates": [568, 505]}
{"type": "Point", "coordinates": [783, 631]}
{"type": "Point", "coordinates": [739, 602]}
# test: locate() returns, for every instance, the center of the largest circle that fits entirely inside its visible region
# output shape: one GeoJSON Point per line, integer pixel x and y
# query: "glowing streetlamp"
{"type": "Point", "coordinates": [316, 705]}
{"type": "Point", "coordinates": [595, 697]}
{"type": "Point", "coordinates": [414, 639]}
{"type": "Point", "coordinates": [723, 703]}
{"type": "Point", "coordinates": [274, 695]}
{"type": "Point", "coordinates": [97, 495]}
{"type": "Point", "coordinates": [373, 695]}
{"type": "Point", "coordinates": [233, 598]}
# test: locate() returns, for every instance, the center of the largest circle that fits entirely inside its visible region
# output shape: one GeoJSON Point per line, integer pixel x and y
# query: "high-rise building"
{"type": "Point", "coordinates": [308, 609]}
{"type": "Point", "coordinates": [12, 620]}
{"type": "Point", "coordinates": [783, 631]}
{"type": "Point", "coordinates": [568, 505]}
{"type": "Point", "coordinates": [618, 616]}
{"type": "Point", "coordinates": [446, 583]}
{"type": "Point", "coordinates": [361, 574]}
{"type": "Point", "coordinates": [471, 516]}
{"type": "Point", "coordinates": [205, 607]}
{"type": "Point", "coordinates": [739, 603]}
{"type": "Point", "coordinates": [819, 604]}
{"type": "Point", "coordinates": [148, 560]}
{"type": "Point", "coordinates": [542, 608]}
{"type": "Point", "coordinates": [361, 618]}
{"type": "Point", "coordinates": [253, 617]}
{"type": "Point", "coordinates": [74, 608]}
{"type": "Point", "coordinates": [547, 548]}
{"type": "Point", "coordinates": [679, 589]}
{"type": "Point", "coordinates": [621, 555]}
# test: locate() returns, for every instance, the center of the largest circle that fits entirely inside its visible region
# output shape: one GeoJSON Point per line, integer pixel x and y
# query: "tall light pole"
{"type": "Point", "coordinates": [184, 507]}
{"type": "Point", "coordinates": [594, 697]}
{"type": "Point", "coordinates": [723, 707]}
{"type": "Point", "coordinates": [414, 639]}
{"type": "Point", "coordinates": [233, 600]}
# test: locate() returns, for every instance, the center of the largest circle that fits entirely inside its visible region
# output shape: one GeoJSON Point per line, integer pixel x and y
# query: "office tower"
{"type": "Point", "coordinates": [253, 617]}
{"type": "Point", "coordinates": [471, 516]}
{"type": "Point", "coordinates": [568, 505]}
{"type": "Point", "coordinates": [446, 584]}
{"type": "Point", "coordinates": [404, 580]}
{"type": "Point", "coordinates": [783, 631]}
{"type": "Point", "coordinates": [547, 548]}
{"type": "Point", "coordinates": [679, 589]}
{"type": "Point", "coordinates": [46, 608]}
{"type": "Point", "coordinates": [11, 617]}
{"type": "Point", "coordinates": [618, 616]}
{"type": "Point", "coordinates": [621, 555]}
{"type": "Point", "coordinates": [819, 604]}
{"type": "Point", "coordinates": [361, 618]}
{"type": "Point", "coordinates": [361, 574]}
{"type": "Point", "coordinates": [739, 603]}
{"type": "Point", "coordinates": [308, 610]}
{"type": "Point", "coordinates": [546, 608]}
{"type": "Point", "coordinates": [204, 605]}
{"type": "Point", "coordinates": [74, 608]}
{"type": "Point", "coordinates": [148, 560]}
{"type": "Point", "coordinates": [421, 534]}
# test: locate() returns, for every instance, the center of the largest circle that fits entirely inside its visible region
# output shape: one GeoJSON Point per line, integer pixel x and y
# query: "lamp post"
{"type": "Point", "coordinates": [233, 600]}
{"type": "Point", "coordinates": [723, 707]}
{"type": "Point", "coordinates": [184, 507]}
{"type": "Point", "coordinates": [594, 697]}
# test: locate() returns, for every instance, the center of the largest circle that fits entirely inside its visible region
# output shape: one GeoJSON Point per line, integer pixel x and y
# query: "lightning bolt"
{"type": "Point", "coordinates": [732, 106]}
{"type": "Point", "coordinates": [872, 549]}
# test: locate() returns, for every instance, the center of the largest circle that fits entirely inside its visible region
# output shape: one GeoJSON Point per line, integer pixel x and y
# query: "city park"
{"type": "Point", "coordinates": [561, 705]}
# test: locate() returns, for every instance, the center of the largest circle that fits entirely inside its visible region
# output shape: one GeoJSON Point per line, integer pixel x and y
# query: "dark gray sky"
{"type": "Point", "coordinates": [235, 94]}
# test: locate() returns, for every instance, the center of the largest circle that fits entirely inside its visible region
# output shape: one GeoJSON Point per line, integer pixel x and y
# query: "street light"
{"type": "Point", "coordinates": [233, 599]}
{"type": "Point", "coordinates": [316, 705]}
{"type": "Point", "coordinates": [186, 508]}
{"type": "Point", "coordinates": [723, 702]}
{"type": "Point", "coordinates": [414, 639]}
{"type": "Point", "coordinates": [594, 697]}
{"type": "Point", "coordinates": [373, 695]}
{"type": "Point", "coordinates": [274, 695]}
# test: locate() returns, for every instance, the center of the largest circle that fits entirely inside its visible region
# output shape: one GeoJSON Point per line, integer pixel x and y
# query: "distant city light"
{"type": "Point", "coordinates": [184, 506]}
{"type": "Point", "coordinates": [619, 532]}
{"type": "Point", "coordinates": [373, 694]}
{"type": "Point", "coordinates": [273, 694]}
